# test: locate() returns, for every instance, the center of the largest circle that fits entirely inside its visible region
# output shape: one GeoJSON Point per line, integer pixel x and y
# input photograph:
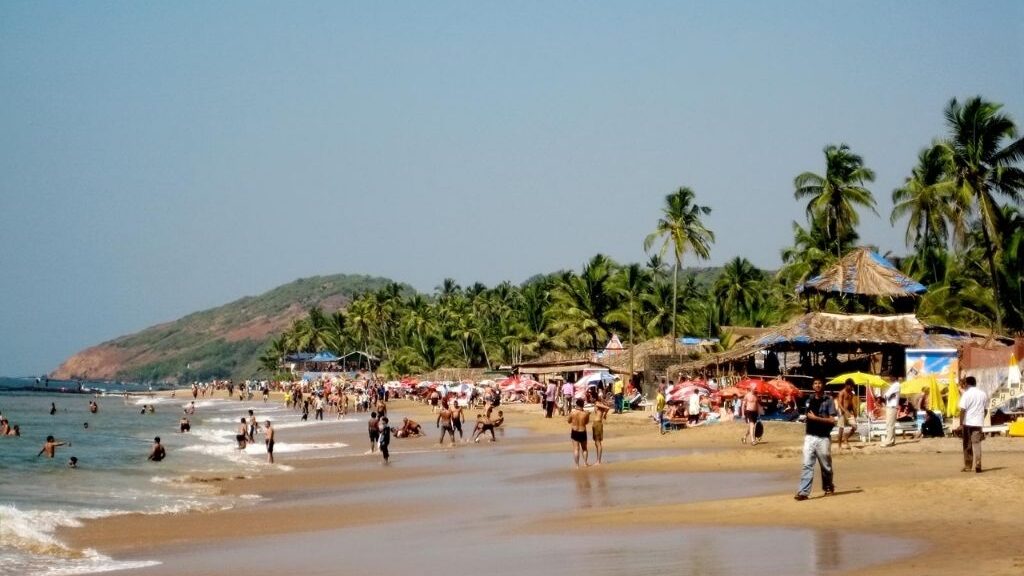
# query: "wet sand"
{"type": "Point", "coordinates": [691, 502]}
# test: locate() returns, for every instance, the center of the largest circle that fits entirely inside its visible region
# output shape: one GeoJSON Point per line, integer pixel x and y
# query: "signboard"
{"type": "Point", "coordinates": [942, 363]}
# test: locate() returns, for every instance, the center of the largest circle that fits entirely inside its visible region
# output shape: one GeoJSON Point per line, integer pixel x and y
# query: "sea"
{"type": "Point", "coordinates": [39, 495]}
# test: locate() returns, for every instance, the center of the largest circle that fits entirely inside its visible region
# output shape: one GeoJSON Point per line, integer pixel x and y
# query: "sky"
{"type": "Point", "coordinates": [158, 159]}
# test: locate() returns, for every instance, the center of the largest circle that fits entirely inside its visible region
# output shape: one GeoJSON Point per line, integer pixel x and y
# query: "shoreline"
{"type": "Point", "coordinates": [914, 491]}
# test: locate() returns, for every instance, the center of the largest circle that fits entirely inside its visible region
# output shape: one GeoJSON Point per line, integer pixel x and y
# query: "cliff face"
{"type": "Point", "coordinates": [221, 342]}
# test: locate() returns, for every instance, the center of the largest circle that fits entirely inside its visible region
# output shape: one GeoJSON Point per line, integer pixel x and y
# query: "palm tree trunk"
{"type": "Point", "coordinates": [990, 254]}
{"type": "Point", "coordinates": [483, 347]}
{"type": "Point", "coordinates": [631, 337]}
{"type": "Point", "coordinates": [675, 292]}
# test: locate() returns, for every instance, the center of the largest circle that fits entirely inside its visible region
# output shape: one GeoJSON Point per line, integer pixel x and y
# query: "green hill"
{"type": "Point", "coordinates": [217, 343]}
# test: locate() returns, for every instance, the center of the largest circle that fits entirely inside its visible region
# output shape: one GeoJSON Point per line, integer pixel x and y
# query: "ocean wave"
{"type": "Point", "coordinates": [29, 544]}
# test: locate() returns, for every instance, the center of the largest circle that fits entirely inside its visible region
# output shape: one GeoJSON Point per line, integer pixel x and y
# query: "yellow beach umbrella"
{"type": "Point", "coordinates": [918, 385]}
{"type": "Point", "coordinates": [860, 379]}
{"type": "Point", "coordinates": [952, 400]}
{"type": "Point", "coordinates": [935, 397]}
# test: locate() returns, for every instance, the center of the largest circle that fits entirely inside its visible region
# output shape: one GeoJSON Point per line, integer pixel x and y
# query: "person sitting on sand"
{"type": "Point", "coordinates": [409, 428]}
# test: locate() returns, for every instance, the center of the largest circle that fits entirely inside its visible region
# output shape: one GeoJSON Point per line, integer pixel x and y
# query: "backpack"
{"type": "Point", "coordinates": [758, 430]}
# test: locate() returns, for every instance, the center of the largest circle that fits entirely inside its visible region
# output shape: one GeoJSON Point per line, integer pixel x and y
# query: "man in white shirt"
{"type": "Point", "coordinates": [973, 406]}
{"type": "Point", "coordinates": [892, 406]}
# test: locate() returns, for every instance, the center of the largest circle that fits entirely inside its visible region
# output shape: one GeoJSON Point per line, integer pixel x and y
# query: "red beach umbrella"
{"type": "Point", "coordinates": [786, 387]}
{"type": "Point", "coordinates": [760, 387]}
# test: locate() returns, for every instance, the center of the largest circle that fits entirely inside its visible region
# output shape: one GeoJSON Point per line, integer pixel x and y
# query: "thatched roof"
{"type": "Point", "coordinates": [818, 330]}
{"type": "Point", "coordinates": [866, 273]}
{"type": "Point", "coordinates": [619, 361]}
{"type": "Point", "coordinates": [558, 367]}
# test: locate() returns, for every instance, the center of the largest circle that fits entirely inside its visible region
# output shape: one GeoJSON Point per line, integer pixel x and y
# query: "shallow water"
{"type": "Point", "coordinates": [38, 495]}
{"type": "Point", "coordinates": [495, 502]}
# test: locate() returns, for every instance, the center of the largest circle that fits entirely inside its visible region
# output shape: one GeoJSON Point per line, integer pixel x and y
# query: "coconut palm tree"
{"type": "Point", "coordinates": [833, 197]}
{"type": "Point", "coordinates": [738, 291]}
{"type": "Point", "coordinates": [630, 284]}
{"type": "Point", "coordinates": [926, 199]}
{"type": "Point", "coordinates": [681, 228]}
{"type": "Point", "coordinates": [985, 154]}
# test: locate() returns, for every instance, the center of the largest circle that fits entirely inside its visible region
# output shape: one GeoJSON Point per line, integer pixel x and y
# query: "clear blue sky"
{"type": "Point", "coordinates": [161, 158]}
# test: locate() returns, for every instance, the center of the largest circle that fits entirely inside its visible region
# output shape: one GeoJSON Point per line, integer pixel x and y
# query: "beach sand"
{"type": "Point", "coordinates": [694, 501]}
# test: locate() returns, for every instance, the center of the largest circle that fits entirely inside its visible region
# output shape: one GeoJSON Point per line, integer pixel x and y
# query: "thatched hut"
{"type": "Point", "coordinates": [863, 272]}
{"type": "Point", "coordinates": [820, 344]}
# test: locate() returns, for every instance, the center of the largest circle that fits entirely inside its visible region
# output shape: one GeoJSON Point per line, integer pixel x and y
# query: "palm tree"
{"type": "Point", "coordinates": [832, 197]}
{"type": "Point", "coordinates": [985, 153]}
{"type": "Point", "coordinates": [681, 228]}
{"type": "Point", "coordinates": [738, 290]}
{"type": "Point", "coordinates": [926, 197]}
{"type": "Point", "coordinates": [630, 284]}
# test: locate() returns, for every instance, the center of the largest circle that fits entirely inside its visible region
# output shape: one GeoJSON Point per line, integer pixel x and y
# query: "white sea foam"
{"type": "Point", "coordinates": [31, 545]}
{"type": "Point", "coordinates": [286, 447]}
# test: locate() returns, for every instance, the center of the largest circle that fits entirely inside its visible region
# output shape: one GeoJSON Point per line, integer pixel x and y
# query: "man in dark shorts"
{"type": "Point", "coordinates": [458, 416]}
{"type": "Point", "coordinates": [374, 429]}
{"type": "Point", "coordinates": [751, 412]}
{"type": "Point", "coordinates": [268, 435]}
{"type": "Point", "coordinates": [243, 434]}
{"type": "Point", "coordinates": [578, 420]}
{"type": "Point", "coordinates": [444, 422]}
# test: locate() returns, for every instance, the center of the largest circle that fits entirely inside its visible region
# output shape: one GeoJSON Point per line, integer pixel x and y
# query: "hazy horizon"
{"type": "Point", "coordinates": [161, 159]}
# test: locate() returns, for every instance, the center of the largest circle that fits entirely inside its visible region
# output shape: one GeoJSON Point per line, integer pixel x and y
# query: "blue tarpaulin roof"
{"type": "Point", "coordinates": [325, 357]}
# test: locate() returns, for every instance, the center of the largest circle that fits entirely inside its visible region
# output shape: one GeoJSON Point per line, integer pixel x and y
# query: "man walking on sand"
{"type": "Point", "coordinates": [751, 412]}
{"type": "Point", "coordinates": [549, 398]}
{"type": "Point", "coordinates": [846, 404]}
{"type": "Point", "coordinates": [821, 418]}
{"type": "Point", "coordinates": [892, 406]}
{"type": "Point", "coordinates": [973, 405]}
{"type": "Point", "coordinates": [578, 420]}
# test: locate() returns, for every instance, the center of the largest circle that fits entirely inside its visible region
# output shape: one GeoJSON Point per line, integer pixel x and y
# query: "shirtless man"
{"type": "Point", "coordinates": [50, 447]}
{"type": "Point", "coordinates": [578, 420]}
{"type": "Point", "coordinates": [601, 409]}
{"type": "Point", "coordinates": [484, 424]}
{"type": "Point", "coordinates": [243, 434]}
{"type": "Point", "coordinates": [268, 436]}
{"type": "Point", "coordinates": [846, 405]}
{"type": "Point", "coordinates": [157, 453]}
{"type": "Point", "coordinates": [444, 422]}
{"type": "Point", "coordinates": [751, 412]}
{"type": "Point", "coordinates": [254, 427]}
{"type": "Point", "coordinates": [373, 425]}
{"type": "Point", "coordinates": [458, 417]}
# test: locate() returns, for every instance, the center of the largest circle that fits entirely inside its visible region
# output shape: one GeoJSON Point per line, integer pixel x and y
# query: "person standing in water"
{"type": "Point", "coordinates": [578, 420]}
{"type": "Point", "coordinates": [53, 408]}
{"type": "Point", "coordinates": [157, 453]}
{"type": "Point", "coordinates": [268, 435]}
{"type": "Point", "coordinates": [385, 438]}
{"type": "Point", "coordinates": [50, 447]}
